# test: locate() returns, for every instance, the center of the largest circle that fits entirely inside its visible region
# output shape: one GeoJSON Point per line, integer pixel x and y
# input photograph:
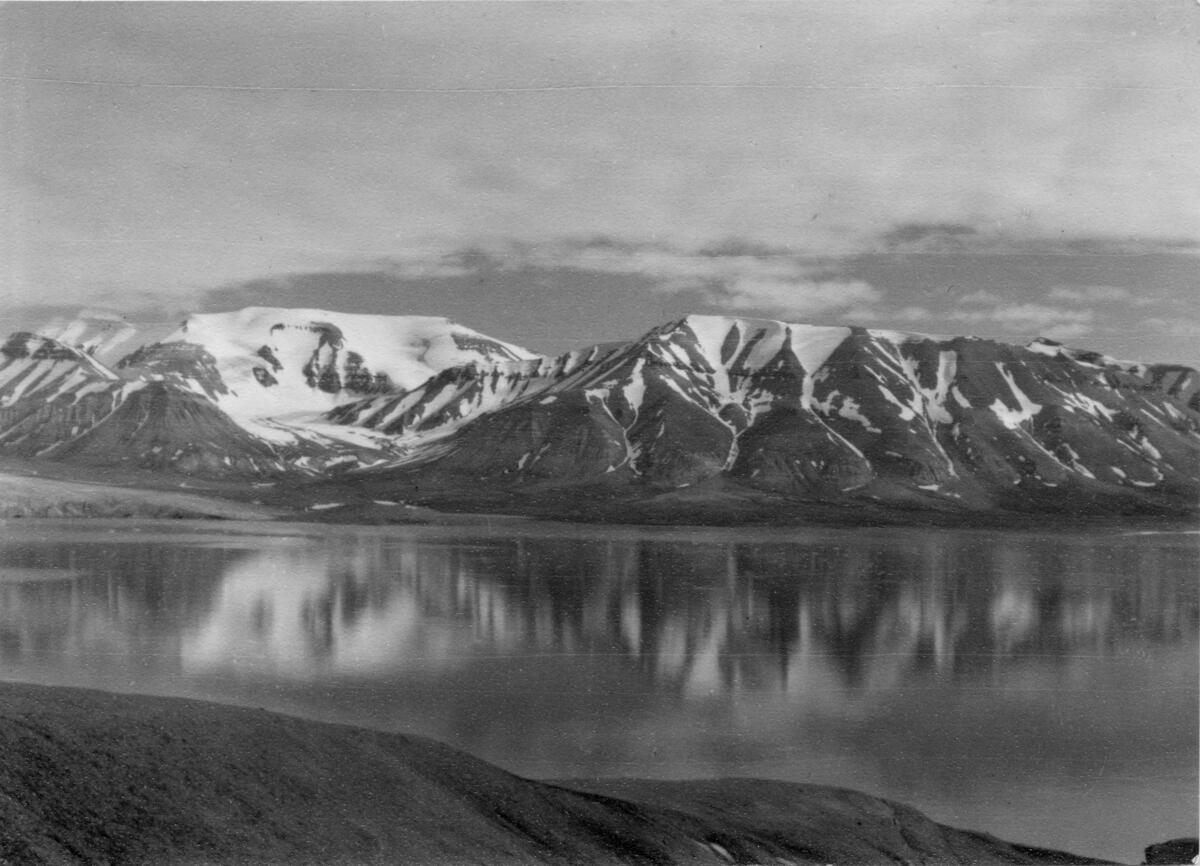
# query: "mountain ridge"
{"type": "Point", "coordinates": [868, 405]}
{"type": "Point", "coordinates": [829, 415]}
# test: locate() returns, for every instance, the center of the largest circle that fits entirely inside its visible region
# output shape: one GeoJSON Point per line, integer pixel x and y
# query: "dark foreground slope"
{"type": "Point", "coordinates": [87, 777]}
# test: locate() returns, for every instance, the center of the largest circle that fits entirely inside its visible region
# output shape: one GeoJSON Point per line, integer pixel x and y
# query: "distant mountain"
{"type": "Point", "coordinates": [822, 414]}
{"type": "Point", "coordinates": [104, 335]}
{"type": "Point", "coordinates": [227, 393]}
{"type": "Point", "coordinates": [697, 413]}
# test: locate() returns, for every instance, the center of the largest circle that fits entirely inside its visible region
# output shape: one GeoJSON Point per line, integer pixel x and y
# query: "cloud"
{"type": "Point", "coordinates": [912, 314]}
{"type": "Point", "coordinates": [514, 164]}
{"type": "Point", "coordinates": [1066, 331]}
{"type": "Point", "coordinates": [1181, 327]}
{"type": "Point", "coordinates": [731, 274]}
{"type": "Point", "coordinates": [1089, 294]}
{"type": "Point", "coordinates": [231, 142]}
{"type": "Point", "coordinates": [37, 315]}
{"type": "Point", "coordinates": [981, 296]}
{"type": "Point", "coordinates": [415, 266]}
{"type": "Point", "coordinates": [800, 297]}
{"type": "Point", "coordinates": [1030, 238]}
{"type": "Point", "coordinates": [1031, 319]}
{"type": "Point", "coordinates": [928, 235]}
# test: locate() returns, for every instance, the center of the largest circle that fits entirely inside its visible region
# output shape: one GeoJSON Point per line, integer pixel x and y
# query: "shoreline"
{"type": "Point", "coordinates": [28, 494]}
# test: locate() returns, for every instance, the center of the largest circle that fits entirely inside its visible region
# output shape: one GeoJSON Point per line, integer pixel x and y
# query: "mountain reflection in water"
{"type": "Point", "coordinates": [931, 666]}
{"type": "Point", "coordinates": [695, 616]}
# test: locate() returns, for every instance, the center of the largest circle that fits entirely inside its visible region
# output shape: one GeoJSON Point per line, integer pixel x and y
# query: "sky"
{"type": "Point", "coordinates": [555, 174]}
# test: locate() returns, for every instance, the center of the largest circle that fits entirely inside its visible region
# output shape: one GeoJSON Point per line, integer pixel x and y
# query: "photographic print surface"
{"type": "Point", "coordinates": [798, 391]}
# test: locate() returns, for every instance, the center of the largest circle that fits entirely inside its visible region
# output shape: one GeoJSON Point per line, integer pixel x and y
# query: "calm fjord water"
{"type": "Point", "coordinates": [1038, 686]}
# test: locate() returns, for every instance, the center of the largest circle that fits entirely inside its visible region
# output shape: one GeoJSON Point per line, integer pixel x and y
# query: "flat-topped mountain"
{"type": "Point", "coordinates": [421, 409]}
{"type": "Point", "coordinates": [226, 393]}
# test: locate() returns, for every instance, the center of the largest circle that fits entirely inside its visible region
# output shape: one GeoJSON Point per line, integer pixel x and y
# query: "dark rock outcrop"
{"type": "Point", "coordinates": [1174, 852]}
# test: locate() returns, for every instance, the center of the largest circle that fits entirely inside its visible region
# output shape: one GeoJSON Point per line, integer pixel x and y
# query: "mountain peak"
{"type": "Point", "coordinates": [100, 333]}
{"type": "Point", "coordinates": [320, 346]}
{"type": "Point", "coordinates": [749, 344]}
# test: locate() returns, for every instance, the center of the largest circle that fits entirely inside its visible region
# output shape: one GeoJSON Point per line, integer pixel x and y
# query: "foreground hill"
{"type": "Point", "coordinates": [699, 419]}
{"type": "Point", "coordinates": [89, 777]}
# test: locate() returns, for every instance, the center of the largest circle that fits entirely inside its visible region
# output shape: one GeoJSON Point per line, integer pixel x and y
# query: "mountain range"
{"type": "Point", "coordinates": [704, 418]}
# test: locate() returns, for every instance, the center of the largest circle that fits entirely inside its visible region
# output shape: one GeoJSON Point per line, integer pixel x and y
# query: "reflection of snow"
{"type": "Point", "coordinates": [815, 623]}
{"type": "Point", "coordinates": [1013, 615]}
{"type": "Point", "coordinates": [301, 614]}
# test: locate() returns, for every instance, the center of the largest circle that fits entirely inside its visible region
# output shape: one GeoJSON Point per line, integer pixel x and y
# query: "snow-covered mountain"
{"type": "Point", "coordinates": [458, 394]}
{"type": "Point", "coordinates": [825, 413]}
{"type": "Point", "coordinates": [51, 392]}
{"type": "Point", "coordinates": [777, 412]}
{"type": "Point", "coordinates": [226, 393]}
{"type": "Point", "coordinates": [268, 362]}
{"type": "Point", "coordinates": [103, 335]}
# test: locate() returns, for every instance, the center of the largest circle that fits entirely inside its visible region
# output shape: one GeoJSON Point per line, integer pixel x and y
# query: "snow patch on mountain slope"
{"type": "Point", "coordinates": [1049, 348]}
{"type": "Point", "coordinates": [935, 398]}
{"type": "Point", "coordinates": [925, 403]}
{"type": "Point", "coordinates": [1013, 418]}
{"type": "Point", "coordinates": [813, 344]}
{"type": "Point", "coordinates": [764, 339]}
{"type": "Point", "coordinates": [851, 411]}
{"type": "Point", "coordinates": [898, 338]}
{"type": "Point", "coordinates": [78, 386]}
{"type": "Point", "coordinates": [98, 333]}
{"type": "Point", "coordinates": [635, 391]}
{"type": "Point", "coordinates": [34, 365]}
{"type": "Point", "coordinates": [1073, 461]}
{"type": "Point", "coordinates": [1148, 446]}
{"type": "Point", "coordinates": [1084, 403]}
{"type": "Point", "coordinates": [907, 412]}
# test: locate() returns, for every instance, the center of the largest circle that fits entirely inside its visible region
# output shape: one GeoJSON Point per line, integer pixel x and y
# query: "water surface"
{"type": "Point", "coordinates": [1038, 686]}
